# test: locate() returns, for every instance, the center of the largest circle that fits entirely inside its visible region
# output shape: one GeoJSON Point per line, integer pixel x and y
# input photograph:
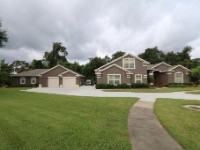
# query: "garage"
{"type": "Point", "coordinates": [69, 82]}
{"type": "Point", "coordinates": [53, 82]}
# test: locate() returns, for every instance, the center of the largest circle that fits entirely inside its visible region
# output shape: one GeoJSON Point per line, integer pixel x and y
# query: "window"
{"type": "Point", "coordinates": [33, 80]}
{"type": "Point", "coordinates": [114, 79]}
{"type": "Point", "coordinates": [138, 78]}
{"type": "Point", "coordinates": [22, 80]}
{"type": "Point", "coordinates": [178, 77]}
{"type": "Point", "coordinates": [129, 63]}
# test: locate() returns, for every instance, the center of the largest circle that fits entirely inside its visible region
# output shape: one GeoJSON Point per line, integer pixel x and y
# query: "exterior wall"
{"type": "Point", "coordinates": [80, 80]}
{"type": "Point", "coordinates": [69, 74]}
{"type": "Point", "coordinates": [113, 70]}
{"type": "Point", "coordinates": [140, 68]}
{"type": "Point", "coordinates": [15, 82]}
{"type": "Point", "coordinates": [162, 67]}
{"type": "Point", "coordinates": [52, 73]}
{"type": "Point", "coordinates": [160, 78]}
{"type": "Point", "coordinates": [186, 77]}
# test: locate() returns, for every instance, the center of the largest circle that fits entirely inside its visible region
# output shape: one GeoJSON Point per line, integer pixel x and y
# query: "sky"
{"type": "Point", "coordinates": [89, 28]}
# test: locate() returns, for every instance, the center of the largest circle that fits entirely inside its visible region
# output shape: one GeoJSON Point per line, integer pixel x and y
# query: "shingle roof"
{"type": "Point", "coordinates": [149, 67]}
{"type": "Point", "coordinates": [29, 73]}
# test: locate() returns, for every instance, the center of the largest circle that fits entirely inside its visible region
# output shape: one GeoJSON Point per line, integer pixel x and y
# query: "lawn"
{"type": "Point", "coordinates": [182, 123]}
{"type": "Point", "coordinates": [156, 90]}
{"type": "Point", "coordinates": [48, 121]}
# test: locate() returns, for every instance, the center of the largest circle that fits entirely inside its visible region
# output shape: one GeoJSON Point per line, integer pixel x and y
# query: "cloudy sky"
{"type": "Point", "coordinates": [91, 28]}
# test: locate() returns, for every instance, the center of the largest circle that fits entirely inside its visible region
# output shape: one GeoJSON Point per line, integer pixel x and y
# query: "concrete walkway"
{"type": "Point", "coordinates": [146, 132]}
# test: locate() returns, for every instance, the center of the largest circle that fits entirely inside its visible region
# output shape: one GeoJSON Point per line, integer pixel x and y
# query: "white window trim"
{"type": "Point", "coordinates": [140, 76]}
{"type": "Point", "coordinates": [22, 78]}
{"type": "Point", "coordinates": [33, 79]}
{"type": "Point", "coordinates": [133, 61]}
{"type": "Point", "coordinates": [114, 74]}
{"type": "Point", "coordinates": [175, 77]}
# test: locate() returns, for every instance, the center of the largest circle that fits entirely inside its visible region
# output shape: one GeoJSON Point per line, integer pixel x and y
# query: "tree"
{"type": "Point", "coordinates": [195, 74]}
{"type": "Point", "coordinates": [171, 58]}
{"type": "Point", "coordinates": [117, 55]}
{"type": "Point", "coordinates": [37, 64]}
{"type": "Point", "coordinates": [153, 55]}
{"type": "Point", "coordinates": [19, 66]}
{"type": "Point", "coordinates": [94, 63]}
{"type": "Point", "coordinates": [57, 55]}
{"type": "Point", "coordinates": [4, 73]}
{"type": "Point", "coordinates": [3, 36]}
{"type": "Point", "coordinates": [75, 67]}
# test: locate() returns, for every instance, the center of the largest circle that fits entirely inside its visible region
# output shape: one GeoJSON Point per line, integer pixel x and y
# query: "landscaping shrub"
{"type": "Point", "coordinates": [123, 86]}
{"type": "Point", "coordinates": [105, 86]}
{"type": "Point", "coordinates": [139, 85]}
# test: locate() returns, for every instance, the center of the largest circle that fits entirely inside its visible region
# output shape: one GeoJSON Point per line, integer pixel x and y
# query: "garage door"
{"type": "Point", "coordinates": [53, 82]}
{"type": "Point", "coordinates": [69, 81]}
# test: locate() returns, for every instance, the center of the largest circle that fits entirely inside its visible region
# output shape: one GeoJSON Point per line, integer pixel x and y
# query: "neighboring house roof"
{"type": "Point", "coordinates": [174, 67]}
{"type": "Point", "coordinates": [63, 72]}
{"type": "Point", "coordinates": [121, 58]}
{"type": "Point", "coordinates": [30, 73]}
{"type": "Point", "coordinates": [39, 72]}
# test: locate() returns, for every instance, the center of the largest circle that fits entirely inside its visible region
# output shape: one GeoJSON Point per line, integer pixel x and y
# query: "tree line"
{"type": "Point", "coordinates": [59, 53]}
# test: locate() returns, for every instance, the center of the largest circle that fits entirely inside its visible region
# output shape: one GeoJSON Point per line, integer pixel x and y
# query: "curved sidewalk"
{"type": "Point", "coordinates": [146, 132]}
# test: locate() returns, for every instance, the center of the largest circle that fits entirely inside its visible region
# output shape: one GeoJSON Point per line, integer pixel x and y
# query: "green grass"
{"type": "Point", "coordinates": [48, 121]}
{"type": "Point", "coordinates": [182, 123]}
{"type": "Point", "coordinates": [156, 90]}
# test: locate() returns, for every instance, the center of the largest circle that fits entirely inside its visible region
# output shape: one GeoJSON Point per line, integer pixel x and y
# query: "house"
{"type": "Point", "coordinates": [55, 77]}
{"type": "Point", "coordinates": [129, 69]}
{"type": "Point", "coordinates": [163, 73]}
{"type": "Point", "coordinates": [126, 69]}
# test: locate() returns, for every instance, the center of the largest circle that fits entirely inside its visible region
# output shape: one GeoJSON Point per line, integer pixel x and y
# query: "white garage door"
{"type": "Point", "coordinates": [53, 82]}
{"type": "Point", "coordinates": [69, 81]}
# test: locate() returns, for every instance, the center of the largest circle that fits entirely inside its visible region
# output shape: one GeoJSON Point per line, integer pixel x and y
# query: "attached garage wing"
{"type": "Point", "coordinates": [69, 82]}
{"type": "Point", "coordinates": [53, 82]}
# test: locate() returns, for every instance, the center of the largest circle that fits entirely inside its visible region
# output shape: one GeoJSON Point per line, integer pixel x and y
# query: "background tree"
{"type": "Point", "coordinates": [3, 36]}
{"type": "Point", "coordinates": [153, 55]}
{"type": "Point", "coordinates": [75, 67]}
{"type": "Point", "coordinates": [56, 56]}
{"type": "Point", "coordinates": [19, 66]}
{"type": "Point", "coordinates": [195, 74]}
{"type": "Point", "coordinates": [89, 68]}
{"type": "Point", "coordinates": [37, 64]}
{"type": "Point", "coordinates": [117, 55]}
{"type": "Point", "coordinates": [171, 58]}
{"type": "Point", "coordinates": [5, 71]}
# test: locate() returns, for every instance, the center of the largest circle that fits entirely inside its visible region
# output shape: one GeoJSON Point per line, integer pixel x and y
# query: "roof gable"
{"type": "Point", "coordinates": [114, 65]}
{"type": "Point", "coordinates": [174, 67]}
{"type": "Point", "coordinates": [122, 58]}
{"type": "Point", "coordinates": [162, 63]}
{"type": "Point", "coordinates": [60, 74]}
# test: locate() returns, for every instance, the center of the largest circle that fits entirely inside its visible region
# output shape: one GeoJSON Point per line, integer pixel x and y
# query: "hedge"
{"type": "Point", "coordinates": [121, 86]}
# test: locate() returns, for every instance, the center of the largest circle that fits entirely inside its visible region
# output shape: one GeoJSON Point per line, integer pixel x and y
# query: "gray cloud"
{"type": "Point", "coordinates": [97, 28]}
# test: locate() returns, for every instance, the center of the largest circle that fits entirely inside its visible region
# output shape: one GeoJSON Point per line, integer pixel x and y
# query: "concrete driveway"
{"type": "Point", "coordinates": [91, 91]}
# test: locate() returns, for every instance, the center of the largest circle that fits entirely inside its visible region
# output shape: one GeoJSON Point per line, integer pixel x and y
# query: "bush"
{"type": "Point", "coordinates": [123, 86]}
{"type": "Point", "coordinates": [139, 85]}
{"type": "Point", "coordinates": [105, 86]}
